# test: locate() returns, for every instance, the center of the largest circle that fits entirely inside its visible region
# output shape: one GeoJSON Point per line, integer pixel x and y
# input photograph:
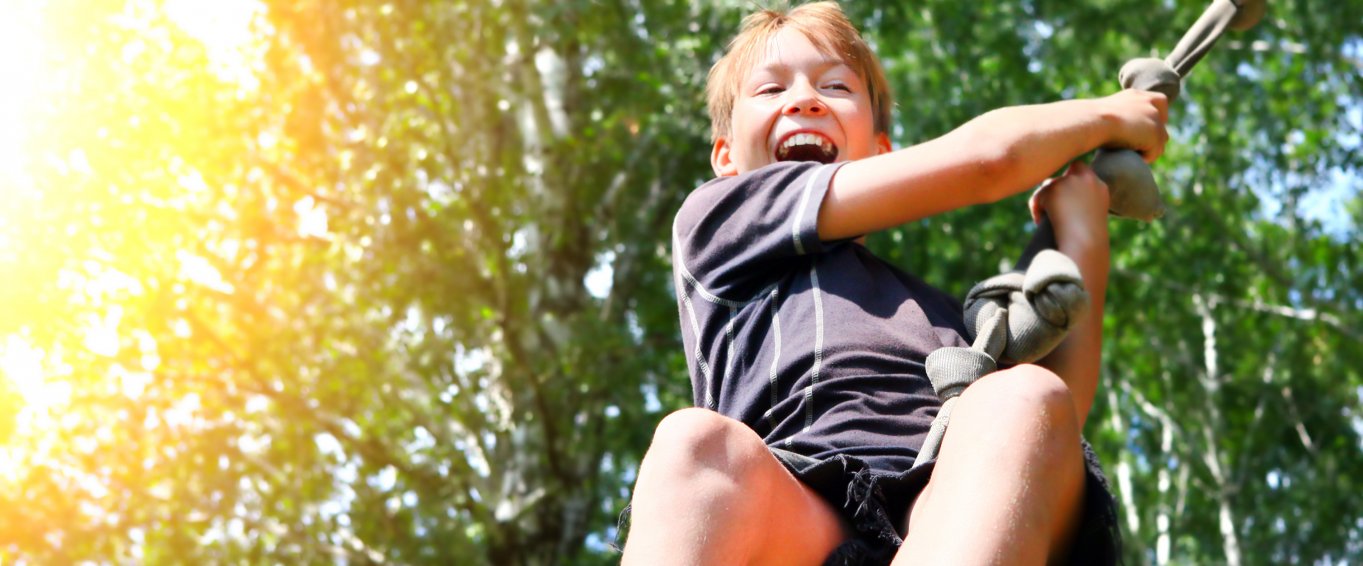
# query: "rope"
{"type": "Point", "coordinates": [1017, 317]}
{"type": "Point", "coordinates": [1020, 316]}
{"type": "Point", "coordinates": [1133, 188]}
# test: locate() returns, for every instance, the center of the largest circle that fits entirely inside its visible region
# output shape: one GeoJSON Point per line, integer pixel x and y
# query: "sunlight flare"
{"type": "Point", "coordinates": [21, 55]}
{"type": "Point", "coordinates": [225, 29]}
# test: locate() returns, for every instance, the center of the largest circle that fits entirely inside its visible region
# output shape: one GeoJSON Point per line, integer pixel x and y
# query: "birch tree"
{"type": "Point", "coordinates": [388, 281]}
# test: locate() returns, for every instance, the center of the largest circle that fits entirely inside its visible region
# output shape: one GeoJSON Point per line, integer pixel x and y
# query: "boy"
{"type": "Point", "coordinates": [806, 351]}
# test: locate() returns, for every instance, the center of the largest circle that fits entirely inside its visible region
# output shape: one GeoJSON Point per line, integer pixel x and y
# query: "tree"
{"type": "Point", "coordinates": [389, 281]}
{"type": "Point", "coordinates": [1229, 319]}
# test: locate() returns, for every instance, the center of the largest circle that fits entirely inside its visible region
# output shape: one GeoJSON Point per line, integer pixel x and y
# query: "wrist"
{"type": "Point", "coordinates": [1091, 254]}
{"type": "Point", "coordinates": [1081, 237]}
{"type": "Point", "coordinates": [1103, 123]}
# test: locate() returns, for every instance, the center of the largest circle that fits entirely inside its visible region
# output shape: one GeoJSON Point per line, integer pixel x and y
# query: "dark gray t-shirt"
{"type": "Point", "coordinates": [818, 346]}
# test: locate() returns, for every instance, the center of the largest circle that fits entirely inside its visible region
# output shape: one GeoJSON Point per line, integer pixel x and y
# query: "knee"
{"type": "Point", "coordinates": [1028, 399]}
{"type": "Point", "coordinates": [692, 441]}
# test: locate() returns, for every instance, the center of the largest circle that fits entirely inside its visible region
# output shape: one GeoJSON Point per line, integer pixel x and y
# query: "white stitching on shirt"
{"type": "Point", "coordinates": [818, 346]}
{"type": "Point", "coordinates": [776, 356]}
{"type": "Point", "coordinates": [700, 355]}
{"type": "Point", "coordinates": [729, 331]}
{"type": "Point", "coordinates": [800, 210]}
{"type": "Point", "coordinates": [678, 253]}
{"type": "Point", "coordinates": [691, 282]}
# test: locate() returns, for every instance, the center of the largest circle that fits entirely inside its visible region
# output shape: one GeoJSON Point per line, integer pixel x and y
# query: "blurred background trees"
{"type": "Point", "coordinates": [388, 281]}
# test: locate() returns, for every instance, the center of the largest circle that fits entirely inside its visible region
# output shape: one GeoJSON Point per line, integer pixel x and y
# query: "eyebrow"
{"type": "Point", "coordinates": [824, 65]}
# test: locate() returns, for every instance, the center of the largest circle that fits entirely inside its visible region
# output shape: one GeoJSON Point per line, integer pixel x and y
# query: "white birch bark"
{"type": "Point", "coordinates": [1212, 456]}
{"type": "Point", "coordinates": [1124, 483]}
{"type": "Point", "coordinates": [1163, 520]}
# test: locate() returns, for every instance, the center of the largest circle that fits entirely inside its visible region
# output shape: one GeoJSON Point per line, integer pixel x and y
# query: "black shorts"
{"type": "Point", "coordinates": [875, 505]}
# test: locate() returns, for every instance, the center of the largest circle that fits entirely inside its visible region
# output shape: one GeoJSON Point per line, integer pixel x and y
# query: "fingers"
{"type": "Point", "coordinates": [1078, 168]}
{"type": "Point", "coordinates": [1079, 177]}
{"type": "Point", "coordinates": [1160, 104]}
{"type": "Point", "coordinates": [1081, 171]}
{"type": "Point", "coordinates": [1078, 182]}
{"type": "Point", "coordinates": [1036, 203]}
{"type": "Point", "coordinates": [1161, 140]}
{"type": "Point", "coordinates": [1155, 151]}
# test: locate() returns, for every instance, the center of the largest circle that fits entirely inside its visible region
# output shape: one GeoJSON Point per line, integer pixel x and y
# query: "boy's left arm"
{"type": "Point", "coordinates": [1077, 204]}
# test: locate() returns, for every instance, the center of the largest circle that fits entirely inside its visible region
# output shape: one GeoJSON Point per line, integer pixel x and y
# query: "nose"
{"type": "Point", "coordinates": [804, 100]}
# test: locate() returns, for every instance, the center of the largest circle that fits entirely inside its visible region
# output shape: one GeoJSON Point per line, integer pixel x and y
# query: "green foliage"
{"type": "Point", "coordinates": [350, 302]}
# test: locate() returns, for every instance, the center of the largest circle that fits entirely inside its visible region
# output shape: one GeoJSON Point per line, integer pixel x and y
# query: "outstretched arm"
{"type": "Point", "coordinates": [996, 155]}
{"type": "Point", "coordinates": [1077, 203]}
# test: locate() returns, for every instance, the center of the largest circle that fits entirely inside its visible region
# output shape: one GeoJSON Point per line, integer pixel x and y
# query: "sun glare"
{"type": "Point", "coordinates": [21, 54]}
{"type": "Point", "coordinates": [21, 363]}
{"type": "Point", "coordinates": [224, 27]}
{"type": "Point", "coordinates": [30, 394]}
{"type": "Point", "coordinates": [31, 411]}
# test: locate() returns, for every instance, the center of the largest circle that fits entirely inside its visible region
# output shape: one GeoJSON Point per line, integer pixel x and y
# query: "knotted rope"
{"type": "Point", "coordinates": [1016, 317]}
{"type": "Point", "coordinates": [1020, 316]}
{"type": "Point", "coordinates": [1134, 193]}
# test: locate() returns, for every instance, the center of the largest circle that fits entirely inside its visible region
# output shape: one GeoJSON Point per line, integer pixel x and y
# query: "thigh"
{"type": "Point", "coordinates": [801, 526]}
{"type": "Point", "coordinates": [1008, 484]}
{"type": "Point", "coordinates": [711, 492]}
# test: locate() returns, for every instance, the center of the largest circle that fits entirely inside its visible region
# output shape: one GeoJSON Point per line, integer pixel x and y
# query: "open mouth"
{"type": "Point", "coordinates": [807, 147]}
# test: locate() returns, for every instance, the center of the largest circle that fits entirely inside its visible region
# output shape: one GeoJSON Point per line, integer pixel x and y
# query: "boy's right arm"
{"type": "Point", "coordinates": [996, 155]}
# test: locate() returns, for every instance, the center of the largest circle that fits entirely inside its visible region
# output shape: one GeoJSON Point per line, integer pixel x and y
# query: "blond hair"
{"type": "Point", "coordinates": [826, 27]}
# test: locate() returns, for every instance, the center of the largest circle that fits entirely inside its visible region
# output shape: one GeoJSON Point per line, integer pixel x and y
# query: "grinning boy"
{"type": "Point", "coordinates": [806, 351]}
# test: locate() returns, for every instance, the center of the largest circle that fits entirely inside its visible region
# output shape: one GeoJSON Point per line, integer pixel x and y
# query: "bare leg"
{"type": "Point", "coordinates": [1009, 481]}
{"type": "Point", "coordinates": [710, 492]}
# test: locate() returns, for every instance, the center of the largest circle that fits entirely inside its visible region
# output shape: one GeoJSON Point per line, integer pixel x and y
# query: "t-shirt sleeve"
{"type": "Point", "coordinates": [733, 234]}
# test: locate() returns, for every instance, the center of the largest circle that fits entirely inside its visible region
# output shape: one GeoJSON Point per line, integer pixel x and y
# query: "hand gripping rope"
{"type": "Point", "coordinates": [1020, 316]}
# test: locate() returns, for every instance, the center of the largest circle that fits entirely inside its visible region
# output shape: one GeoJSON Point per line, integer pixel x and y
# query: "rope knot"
{"type": "Point", "coordinates": [1040, 305]}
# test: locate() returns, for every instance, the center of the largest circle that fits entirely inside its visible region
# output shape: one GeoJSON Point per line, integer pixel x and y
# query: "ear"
{"type": "Point", "coordinates": [883, 143]}
{"type": "Point", "coordinates": [721, 160]}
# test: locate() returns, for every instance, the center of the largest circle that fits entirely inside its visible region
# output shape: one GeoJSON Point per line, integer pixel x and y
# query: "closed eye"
{"type": "Point", "coordinates": [773, 89]}
{"type": "Point", "coordinates": [840, 86]}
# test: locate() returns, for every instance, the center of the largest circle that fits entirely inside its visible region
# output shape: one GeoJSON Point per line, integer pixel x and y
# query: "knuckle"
{"type": "Point", "coordinates": [1096, 184]}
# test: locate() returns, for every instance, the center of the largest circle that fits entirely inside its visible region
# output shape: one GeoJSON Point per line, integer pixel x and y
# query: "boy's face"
{"type": "Point", "coordinates": [796, 104]}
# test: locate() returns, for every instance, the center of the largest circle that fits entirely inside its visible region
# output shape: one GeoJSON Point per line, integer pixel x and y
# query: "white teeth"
{"type": "Point", "coordinates": [807, 139]}
{"type": "Point", "coordinates": [804, 139]}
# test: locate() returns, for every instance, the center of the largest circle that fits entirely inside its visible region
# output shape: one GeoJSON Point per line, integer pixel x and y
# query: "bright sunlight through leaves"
{"type": "Point", "coordinates": [21, 51]}
{"type": "Point", "coordinates": [39, 153]}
